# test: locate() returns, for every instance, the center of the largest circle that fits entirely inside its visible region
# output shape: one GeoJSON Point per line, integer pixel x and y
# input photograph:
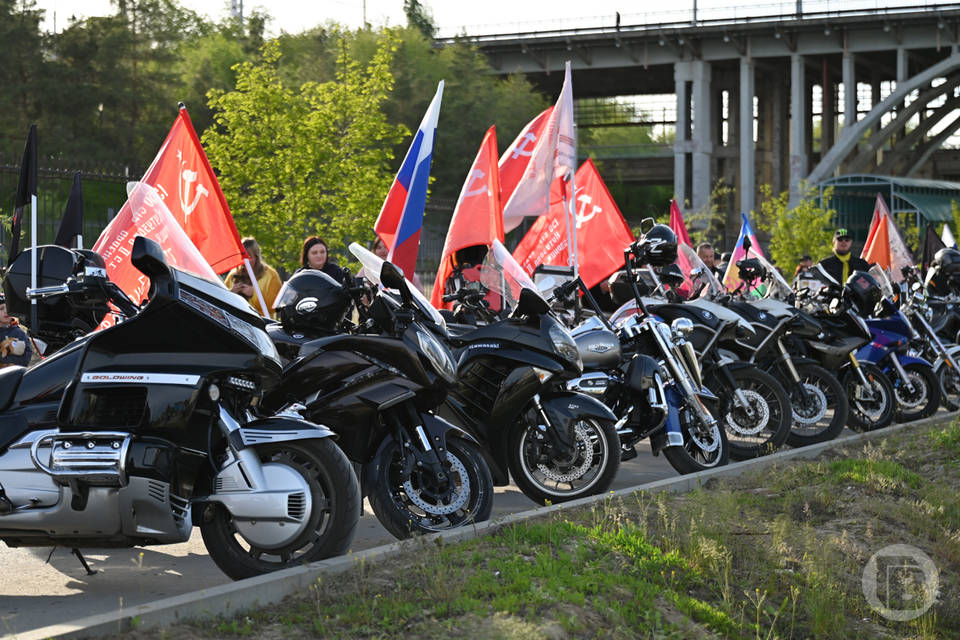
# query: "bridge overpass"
{"type": "Point", "coordinates": [770, 99]}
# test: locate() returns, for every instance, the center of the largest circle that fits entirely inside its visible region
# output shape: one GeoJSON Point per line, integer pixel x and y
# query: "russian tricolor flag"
{"type": "Point", "coordinates": [401, 218]}
{"type": "Point", "coordinates": [731, 279]}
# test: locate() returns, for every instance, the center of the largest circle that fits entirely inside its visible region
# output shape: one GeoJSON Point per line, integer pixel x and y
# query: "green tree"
{"type": "Point", "coordinates": [315, 159]}
{"type": "Point", "coordinates": [802, 229]}
{"type": "Point", "coordinates": [419, 18]}
{"type": "Point", "coordinates": [21, 65]}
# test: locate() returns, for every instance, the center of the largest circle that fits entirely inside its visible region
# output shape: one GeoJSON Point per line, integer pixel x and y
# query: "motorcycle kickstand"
{"type": "Point", "coordinates": [83, 561]}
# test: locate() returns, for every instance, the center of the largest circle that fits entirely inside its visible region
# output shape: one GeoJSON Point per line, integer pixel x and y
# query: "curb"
{"type": "Point", "coordinates": [236, 597]}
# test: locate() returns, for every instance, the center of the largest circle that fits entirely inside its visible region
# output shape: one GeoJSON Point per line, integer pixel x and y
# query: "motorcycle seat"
{"type": "Point", "coordinates": [9, 382]}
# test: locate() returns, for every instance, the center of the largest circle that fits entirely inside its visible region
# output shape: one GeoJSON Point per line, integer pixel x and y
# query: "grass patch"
{"type": "Point", "coordinates": [774, 554]}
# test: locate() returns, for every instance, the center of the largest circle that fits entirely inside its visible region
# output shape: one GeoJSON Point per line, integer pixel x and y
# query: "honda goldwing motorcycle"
{"type": "Point", "coordinates": [375, 387]}
{"type": "Point", "coordinates": [510, 391]}
{"type": "Point", "coordinates": [134, 434]}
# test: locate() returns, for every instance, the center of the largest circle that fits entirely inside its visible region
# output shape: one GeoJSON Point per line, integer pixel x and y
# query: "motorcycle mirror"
{"type": "Point", "coordinates": [916, 287]}
{"type": "Point", "coordinates": [746, 244]}
{"type": "Point", "coordinates": [392, 278]}
{"type": "Point", "coordinates": [147, 256]}
{"type": "Point", "coordinates": [547, 283]}
{"type": "Point", "coordinates": [531, 304]}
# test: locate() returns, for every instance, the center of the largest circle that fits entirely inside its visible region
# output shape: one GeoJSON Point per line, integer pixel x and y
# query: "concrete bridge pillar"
{"type": "Point", "coordinates": [682, 75]}
{"type": "Point", "coordinates": [748, 184]}
{"type": "Point", "coordinates": [849, 90]}
{"type": "Point", "coordinates": [799, 113]}
{"type": "Point", "coordinates": [702, 104]}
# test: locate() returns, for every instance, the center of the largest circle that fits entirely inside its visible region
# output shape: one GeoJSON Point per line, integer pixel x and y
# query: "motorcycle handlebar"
{"type": "Point", "coordinates": [46, 292]}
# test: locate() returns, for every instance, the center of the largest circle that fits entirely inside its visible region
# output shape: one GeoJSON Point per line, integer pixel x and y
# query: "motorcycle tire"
{"type": "Point", "coordinates": [949, 387]}
{"type": "Point", "coordinates": [410, 505]}
{"type": "Point", "coordinates": [766, 431]}
{"type": "Point", "coordinates": [819, 414]}
{"type": "Point", "coordinates": [541, 473]}
{"type": "Point", "coordinates": [867, 415]}
{"type": "Point", "coordinates": [693, 456]}
{"type": "Point", "coordinates": [334, 514]}
{"type": "Point", "coordinates": [924, 400]}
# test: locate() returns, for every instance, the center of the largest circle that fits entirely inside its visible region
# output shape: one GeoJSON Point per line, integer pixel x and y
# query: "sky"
{"type": "Point", "coordinates": [488, 16]}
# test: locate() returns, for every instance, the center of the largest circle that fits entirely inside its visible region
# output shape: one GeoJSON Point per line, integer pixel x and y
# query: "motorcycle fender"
{"type": "Point", "coordinates": [800, 360]}
{"type": "Point", "coordinates": [277, 429]}
{"type": "Point", "coordinates": [672, 433]}
{"type": "Point", "coordinates": [564, 408]}
{"type": "Point", "coordinates": [436, 430]}
{"type": "Point", "coordinates": [908, 360]}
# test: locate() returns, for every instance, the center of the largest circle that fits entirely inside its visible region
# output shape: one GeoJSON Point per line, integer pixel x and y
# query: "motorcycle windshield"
{"type": "Point", "coordinates": [777, 287]}
{"type": "Point", "coordinates": [886, 286]}
{"type": "Point", "coordinates": [502, 274]}
{"type": "Point", "coordinates": [372, 264]}
{"type": "Point", "coordinates": [813, 280]}
{"type": "Point", "coordinates": [697, 274]}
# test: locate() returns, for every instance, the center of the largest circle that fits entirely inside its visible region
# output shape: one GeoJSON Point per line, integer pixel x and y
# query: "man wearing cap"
{"type": "Point", "coordinates": [14, 345]}
{"type": "Point", "coordinates": [843, 262]}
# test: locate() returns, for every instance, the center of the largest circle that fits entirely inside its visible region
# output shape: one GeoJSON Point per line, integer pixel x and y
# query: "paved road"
{"type": "Point", "coordinates": [35, 593]}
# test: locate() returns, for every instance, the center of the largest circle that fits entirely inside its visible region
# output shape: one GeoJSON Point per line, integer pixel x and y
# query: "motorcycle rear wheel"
{"type": "Point", "coordinates": [334, 516]}
{"type": "Point", "coordinates": [925, 398]}
{"type": "Point", "coordinates": [822, 414]}
{"type": "Point", "coordinates": [867, 414]}
{"type": "Point", "coordinates": [949, 387]}
{"type": "Point", "coordinates": [414, 504]}
{"type": "Point", "coordinates": [546, 475]}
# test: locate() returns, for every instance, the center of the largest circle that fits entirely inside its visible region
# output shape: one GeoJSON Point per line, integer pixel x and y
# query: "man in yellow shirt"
{"type": "Point", "coordinates": [238, 280]}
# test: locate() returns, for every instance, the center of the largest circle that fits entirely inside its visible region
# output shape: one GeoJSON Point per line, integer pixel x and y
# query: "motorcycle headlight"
{"type": "Point", "coordinates": [564, 345]}
{"type": "Point", "coordinates": [682, 327]}
{"type": "Point", "coordinates": [438, 355]}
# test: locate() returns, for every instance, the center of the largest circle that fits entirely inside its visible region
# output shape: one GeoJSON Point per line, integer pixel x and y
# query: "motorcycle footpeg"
{"type": "Point", "coordinates": [628, 453]}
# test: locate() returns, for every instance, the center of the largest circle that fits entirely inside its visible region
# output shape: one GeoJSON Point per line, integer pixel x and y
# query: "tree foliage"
{"type": "Point", "coordinates": [799, 230]}
{"type": "Point", "coordinates": [308, 160]}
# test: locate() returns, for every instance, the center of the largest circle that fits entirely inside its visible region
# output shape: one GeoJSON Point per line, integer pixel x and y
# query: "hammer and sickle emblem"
{"type": "Point", "coordinates": [521, 149]}
{"type": "Point", "coordinates": [475, 175]}
{"type": "Point", "coordinates": [187, 178]}
{"type": "Point", "coordinates": [582, 216]}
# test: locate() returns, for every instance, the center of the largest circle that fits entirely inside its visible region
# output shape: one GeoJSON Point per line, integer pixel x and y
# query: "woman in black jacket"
{"type": "Point", "coordinates": [314, 255]}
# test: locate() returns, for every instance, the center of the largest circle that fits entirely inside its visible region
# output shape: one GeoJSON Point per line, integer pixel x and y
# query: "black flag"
{"type": "Point", "coordinates": [26, 188]}
{"type": "Point", "coordinates": [931, 244]}
{"type": "Point", "coordinates": [72, 223]}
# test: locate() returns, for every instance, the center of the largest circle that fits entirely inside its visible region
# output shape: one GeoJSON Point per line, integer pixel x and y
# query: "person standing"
{"type": "Point", "coordinates": [843, 262]}
{"type": "Point", "coordinates": [315, 255]}
{"type": "Point", "coordinates": [238, 280]}
{"type": "Point", "coordinates": [709, 256]}
{"type": "Point", "coordinates": [14, 345]}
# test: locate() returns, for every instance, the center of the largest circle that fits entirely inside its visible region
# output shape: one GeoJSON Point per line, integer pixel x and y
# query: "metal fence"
{"type": "Point", "coordinates": [104, 192]}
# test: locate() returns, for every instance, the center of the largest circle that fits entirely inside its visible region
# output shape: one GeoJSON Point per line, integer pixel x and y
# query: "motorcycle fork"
{"type": "Point", "coordinates": [417, 449]}
{"type": "Point", "coordinates": [863, 377]}
{"type": "Point", "coordinates": [895, 361]}
{"type": "Point", "coordinates": [548, 428]}
{"type": "Point", "coordinates": [740, 399]}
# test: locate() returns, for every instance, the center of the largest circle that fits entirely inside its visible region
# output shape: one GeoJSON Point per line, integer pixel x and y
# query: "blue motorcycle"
{"type": "Point", "coordinates": [894, 348]}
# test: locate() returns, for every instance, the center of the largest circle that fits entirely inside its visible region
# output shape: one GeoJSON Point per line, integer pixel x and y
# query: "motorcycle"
{"type": "Point", "coordinates": [839, 310]}
{"type": "Point", "coordinates": [510, 393]}
{"type": "Point", "coordinates": [136, 433]}
{"type": "Point", "coordinates": [376, 385]}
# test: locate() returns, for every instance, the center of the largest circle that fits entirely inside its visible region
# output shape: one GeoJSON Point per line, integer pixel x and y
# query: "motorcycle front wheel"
{"type": "Point", "coordinates": [766, 426]}
{"type": "Point", "coordinates": [704, 446]}
{"type": "Point", "coordinates": [547, 474]}
{"type": "Point", "coordinates": [409, 499]}
{"type": "Point", "coordinates": [243, 549]}
{"type": "Point", "coordinates": [819, 409]}
{"type": "Point", "coordinates": [949, 387]}
{"type": "Point", "coordinates": [870, 408]}
{"type": "Point", "coordinates": [921, 401]}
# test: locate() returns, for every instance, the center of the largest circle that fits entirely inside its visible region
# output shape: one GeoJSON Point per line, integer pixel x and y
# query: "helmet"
{"type": "Point", "coordinates": [658, 247]}
{"type": "Point", "coordinates": [947, 261]}
{"type": "Point", "coordinates": [311, 302]}
{"type": "Point", "coordinates": [751, 269]}
{"type": "Point", "coordinates": [862, 292]}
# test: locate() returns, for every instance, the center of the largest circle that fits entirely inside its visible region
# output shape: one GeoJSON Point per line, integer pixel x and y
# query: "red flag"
{"type": "Point", "coordinates": [678, 225]}
{"type": "Point", "coordinates": [145, 214]}
{"type": "Point", "coordinates": [515, 159]}
{"type": "Point", "coordinates": [602, 233]}
{"type": "Point", "coordinates": [878, 251]}
{"type": "Point", "coordinates": [878, 211]}
{"type": "Point", "coordinates": [478, 217]}
{"type": "Point", "coordinates": [185, 181]}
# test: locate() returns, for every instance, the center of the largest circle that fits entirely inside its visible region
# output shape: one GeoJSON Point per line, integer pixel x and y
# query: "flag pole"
{"type": "Point", "coordinates": [33, 260]}
{"type": "Point", "coordinates": [256, 287]}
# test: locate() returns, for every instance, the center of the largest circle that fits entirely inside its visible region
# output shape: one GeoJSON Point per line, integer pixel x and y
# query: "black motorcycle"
{"type": "Point", "coordinates": [510, 390]}
{"type": "Point", "coordinates": [376, 385]}
{"type": "Point", "coordinates": [133, 434]}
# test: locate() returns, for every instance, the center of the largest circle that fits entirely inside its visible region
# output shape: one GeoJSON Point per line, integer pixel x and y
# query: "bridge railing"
{"type": "Point", "coordinates": [658, 21]}
{"type": "Point", "coordinates": [614, 151]}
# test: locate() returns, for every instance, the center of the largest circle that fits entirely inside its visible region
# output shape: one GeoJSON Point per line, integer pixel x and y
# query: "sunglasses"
{"type": "Point", "coordinates": [844, 238]}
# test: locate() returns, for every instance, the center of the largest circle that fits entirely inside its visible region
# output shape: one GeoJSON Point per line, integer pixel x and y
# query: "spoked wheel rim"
{"type": "Point", "coordinates": [565, 473]}
{"type": "Point", "coordinates": [311, 532]}
{"type": "Point", "coordinates": [431, 503]}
